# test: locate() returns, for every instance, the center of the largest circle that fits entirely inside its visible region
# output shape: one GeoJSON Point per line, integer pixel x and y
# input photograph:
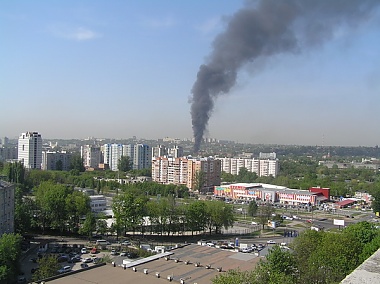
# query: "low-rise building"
{"type": "Point", "coordinates": [270, 193]}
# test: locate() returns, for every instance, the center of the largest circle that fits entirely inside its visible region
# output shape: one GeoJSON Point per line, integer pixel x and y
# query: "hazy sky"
{"type": "Point", "coordinates": [117, 69]}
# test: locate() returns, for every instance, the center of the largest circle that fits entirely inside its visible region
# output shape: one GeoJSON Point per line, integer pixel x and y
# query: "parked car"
{"type": "Point", "coordinates": [271, 242]}
{"type": "Point", "coordinates": [84, 265]}
{"type": "Point", "coordinates": [94, 250]}
{"type": "Point", "coordinates": [123, 253]}
{"type": "Point", "coordinates": [126, 243]}
{"type": "Point", "coordinates": [75, 259]}
{"type": "Point", "coordinates": [63, 258]}
{"type": "Point", "coordinates": [114, 252]}
{"type": "Point", "coordinates": [83, 251]}
{"type": "Point", "coordinates": [65, 269]}
{"type": "Point", "coordinates": [33, 270]}
{"type": "Point", "coordinates": [87, 259]}
{"type": "Point", "coordinates": [132, 255]}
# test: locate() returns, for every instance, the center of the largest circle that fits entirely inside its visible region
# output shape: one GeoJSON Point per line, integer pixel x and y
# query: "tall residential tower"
{"type": "Point", "coordinates": [30, 150]}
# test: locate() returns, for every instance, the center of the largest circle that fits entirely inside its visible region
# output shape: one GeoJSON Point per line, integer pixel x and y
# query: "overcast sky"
{"type": "Point", "coordinates": [117, 69]}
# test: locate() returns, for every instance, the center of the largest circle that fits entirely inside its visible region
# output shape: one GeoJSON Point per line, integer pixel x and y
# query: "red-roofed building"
{"type": "Point", "coordinates": [325, 191]}
{"type": "Point", "coordinates": [344, 203]}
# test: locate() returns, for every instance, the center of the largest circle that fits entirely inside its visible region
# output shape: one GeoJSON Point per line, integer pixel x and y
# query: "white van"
{"type": "Point", "coordinates": [102, 242]}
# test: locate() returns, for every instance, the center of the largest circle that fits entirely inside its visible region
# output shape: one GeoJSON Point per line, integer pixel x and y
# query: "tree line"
{"type": "Point", "coordinates": [166, 215]}
{"type": "Point", "coordinates": [315, 257]}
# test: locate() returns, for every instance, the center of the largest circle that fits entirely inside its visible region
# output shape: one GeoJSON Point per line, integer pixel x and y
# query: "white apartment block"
{"type": "Point", "coordinates": [7, 207]}
{"type": "Point", "coordinates": [30, 150]}
{"type": "Point", "coordinates": [261, 167]}
{"type": "Point", "coordinates": [140, 155]}
{"type": "Point", "coordinates": [112, 154]}
{"type": "Point", "coordinates": [169, 170]}
{"type": "Point", "coordinates": [91, 156]}
{"type": "Point", "coordinates": [53, 161]}
{"type": "Point", "coordinates": [176, 151]}
{"type": "Point", "coordinates": [159, 151]}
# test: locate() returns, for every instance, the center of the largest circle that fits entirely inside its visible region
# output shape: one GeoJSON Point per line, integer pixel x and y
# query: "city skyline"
{"type": "Point", "coordinates": [76, 69]}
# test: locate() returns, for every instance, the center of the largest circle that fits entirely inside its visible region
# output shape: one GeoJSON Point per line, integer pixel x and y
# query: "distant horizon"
{"type": "Point", "coordinates": [189, 140]}
{"type": "Point", "coordinates": [120, 68]}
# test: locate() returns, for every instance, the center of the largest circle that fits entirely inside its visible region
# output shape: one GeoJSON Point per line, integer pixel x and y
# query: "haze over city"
{"type": "Point", "coordinates": [118, 69]}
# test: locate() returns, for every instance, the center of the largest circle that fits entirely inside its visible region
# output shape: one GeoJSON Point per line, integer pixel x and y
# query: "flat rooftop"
{"type": "Point", "coordinates": [178, 270]}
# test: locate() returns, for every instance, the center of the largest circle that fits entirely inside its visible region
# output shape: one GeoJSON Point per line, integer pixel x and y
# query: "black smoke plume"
{"type": "Point", "coordinates": [262, 29]}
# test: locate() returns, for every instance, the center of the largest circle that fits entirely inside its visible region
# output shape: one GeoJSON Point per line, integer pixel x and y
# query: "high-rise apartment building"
{"type": "Point", "coordinates": [159, 151]}
{"type": "Point", "coordinates": [112, 154]}
{"type": "Point", "coordinates": [7, 207]}
{"type": "Point", "coordinates": [176, 151]}
{"type": "Point", "coordinates": [30, 150]}
{"type": "Point", "coordinates": [91, 156]}
{"type": "Point", "coordinates": [142, 157]}
{"type": "Point", "coordinates": [182, 170]}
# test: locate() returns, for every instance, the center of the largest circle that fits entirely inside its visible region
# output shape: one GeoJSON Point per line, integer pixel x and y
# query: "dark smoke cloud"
{"type": "Point", "coordinates": [263, 29]}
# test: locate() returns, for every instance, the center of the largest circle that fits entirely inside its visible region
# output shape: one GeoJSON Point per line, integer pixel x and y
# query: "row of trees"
{"type": "Point", "coordinates": [316, 257]}
{"type": "Point", "coordinates": [10, 253]}
{"type": "Point", "coordinates": [54, 206]}
{"type": "Point", "coordinates": [167, 216]}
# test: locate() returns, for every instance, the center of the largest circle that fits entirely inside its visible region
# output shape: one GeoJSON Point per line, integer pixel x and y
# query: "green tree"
{"type": "Point", "coordinates": [196, 216]}
{"type": "Point", "coordinates": [59, 165]}
{"type": "Point", "coordinates": [200, 181]}
{"type": "Point", "coordinates": [76, 163]}
{"type": "Point", "coordinates": [264, 213]}
{"type": "Point", "coordinates": [10, 253]}
{"type": "Point", "coordinates": [124, 164]}
{"type": "Point", "coordinates": [376, 202]}
{"type": "Point", "coordinates": [51, 201]}
{"type": "Point", "coordinates": [47, 266]}
{"type": "Point", "coordinates": [281, 267]}
{"type": "Point", "coordinates": [252, 208]}
{"type": "Point", "coordinates": [234, 277]}
{"type": "Point", "coordinates": [88, 226]}
{"type": "Point", "coordinates": [218, 215]}
{"type": "Point", "coordinates": [15, 172]}
{"type": "Point", "coordinates": [24, 207]}
{"type": "Point", "coordinates": [101, 226]}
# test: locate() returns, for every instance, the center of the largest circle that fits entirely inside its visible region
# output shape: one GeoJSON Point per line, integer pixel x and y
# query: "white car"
{"type": "Point", "coordinates": [271, 242]}
{"type": "Point", "coordinates": [87, 259]}
{"type": "Point", "coordinates": [254, 223]}
{"type": "Point", "coordinates": [83, 251]}
{"type": "Point", "coordinates": [65, 269]}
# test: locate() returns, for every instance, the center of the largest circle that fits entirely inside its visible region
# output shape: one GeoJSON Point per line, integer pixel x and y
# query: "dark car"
{"type": "Point", "coordinates": [63, 258]}
{"type": "Point", "coordinates": [33, 270]}
{"type": "Point", "coordinates": [84, 265]}
{"type": "Point", "coordinates": [132, 255]}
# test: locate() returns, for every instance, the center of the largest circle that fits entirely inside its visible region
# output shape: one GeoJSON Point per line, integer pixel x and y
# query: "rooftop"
{"type": "Point", "coordinates": [178, 270]}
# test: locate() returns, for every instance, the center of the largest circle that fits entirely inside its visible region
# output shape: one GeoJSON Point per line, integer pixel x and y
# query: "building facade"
{"type": "Point", "coordinates": [272, 193]}
{"type": "Point", "coordinates": [7, 207]}
{"type": "Point", "coordinates": [30, 150]}
{"type": "Point", "coordinates": [91, 156]}
{"type": "Point", "coordinates": [185, 171]}
{"type": "Point", "coordinates": [262, 167]}
{"type": "Point", "coordinates": [56, 161]}
{"type": "Point", "coordinates": [142, 157]}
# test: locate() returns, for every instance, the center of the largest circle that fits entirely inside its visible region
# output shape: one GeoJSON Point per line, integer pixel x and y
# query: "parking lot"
{"type": "Point", "coordinates": [71, 254]}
